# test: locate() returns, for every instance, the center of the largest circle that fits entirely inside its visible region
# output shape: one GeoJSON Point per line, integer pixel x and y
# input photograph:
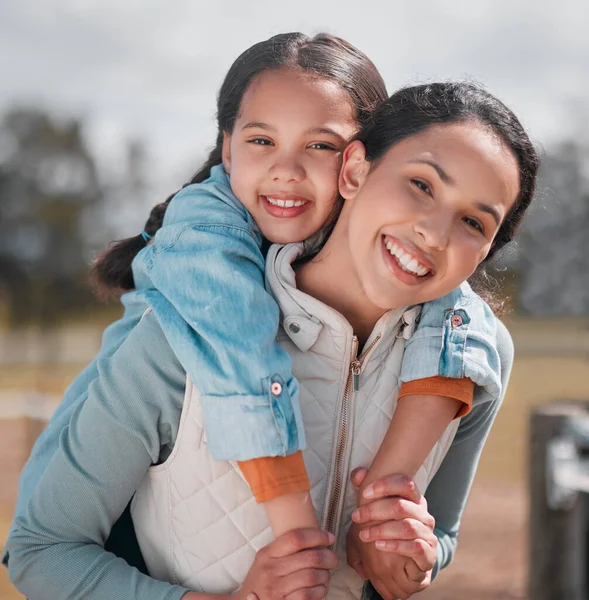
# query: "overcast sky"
{"type": "Point", "coordinates": [152, 68]}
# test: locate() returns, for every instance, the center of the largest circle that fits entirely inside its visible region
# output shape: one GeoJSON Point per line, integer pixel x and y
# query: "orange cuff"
{"type": "Point", "coordinates": [459, 389]}
{"type": "Point", "coordinates": [273, 476]}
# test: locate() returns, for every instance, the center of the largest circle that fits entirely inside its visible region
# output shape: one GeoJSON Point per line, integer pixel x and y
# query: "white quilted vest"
{"type": "Point", "coordinates": [196, 520]}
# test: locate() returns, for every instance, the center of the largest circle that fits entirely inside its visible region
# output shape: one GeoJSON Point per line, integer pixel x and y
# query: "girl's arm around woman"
{"type": "Point", "coordinates": [448, 492]}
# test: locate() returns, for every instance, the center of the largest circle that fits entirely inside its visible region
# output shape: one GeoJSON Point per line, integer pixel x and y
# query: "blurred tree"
{"type": "Point", "coordinates": [554, 244]}
{"type": "Point", "coordinates": [129, 196]}
{"type": "Point", "coordinates": [48, 180]}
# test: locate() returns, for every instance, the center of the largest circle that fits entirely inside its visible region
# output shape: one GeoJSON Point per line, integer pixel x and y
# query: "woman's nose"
{"type": "Point", "coordinates": [434, 230]}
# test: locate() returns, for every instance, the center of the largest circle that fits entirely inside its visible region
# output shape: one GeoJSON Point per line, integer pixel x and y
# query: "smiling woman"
{"type": "Point", "coordinates": [431, 194]}
{"type": "Point", "coordinates": [436, 182]}
{"type": "Point", "coordinates": [452, 187]}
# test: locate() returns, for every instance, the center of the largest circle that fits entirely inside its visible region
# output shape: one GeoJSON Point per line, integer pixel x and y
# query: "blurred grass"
{"type": "Point", "coordinates": [52, 380]}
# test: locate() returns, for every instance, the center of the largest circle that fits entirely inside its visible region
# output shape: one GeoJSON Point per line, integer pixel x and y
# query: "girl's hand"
{"type": "Point", "coordinates": [392, 542]}
{"type": "Point", "coordinates": [295, 566]}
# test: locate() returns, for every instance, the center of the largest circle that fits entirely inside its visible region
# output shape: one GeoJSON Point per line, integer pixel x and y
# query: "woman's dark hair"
{"type": "Point", "coordinates": [414, 109]}
{"type": "Point", "coordinates": [324, 56]}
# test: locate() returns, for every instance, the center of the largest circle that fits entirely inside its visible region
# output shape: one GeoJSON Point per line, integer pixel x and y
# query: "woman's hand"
{"type": "Point", "coordinates": [392, 541]}
{"type": "Point", "coordinates": [295, 566]}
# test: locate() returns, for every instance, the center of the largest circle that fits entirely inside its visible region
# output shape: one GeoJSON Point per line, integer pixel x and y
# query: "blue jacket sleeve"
{"type": "Point", "coordinates": [56, 548]}
{"type": "Point", "coordinates": [456, 337]}
{"type": "Point", "coordinates": [203, 276]}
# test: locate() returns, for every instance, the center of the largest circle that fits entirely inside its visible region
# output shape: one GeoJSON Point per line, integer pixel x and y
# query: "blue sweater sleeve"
{"type": "Point", "coordinates": [456, 337]}
{"type": "Point", "coordinates": [48, 441]}
{"type": "Point", "coordinates": [56, 548]}
{"type": "Point", "coordinates": [203, 276]}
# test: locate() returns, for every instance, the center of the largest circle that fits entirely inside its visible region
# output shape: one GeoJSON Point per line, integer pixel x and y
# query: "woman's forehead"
{"type": "Point", "coordinates": [466, 155]}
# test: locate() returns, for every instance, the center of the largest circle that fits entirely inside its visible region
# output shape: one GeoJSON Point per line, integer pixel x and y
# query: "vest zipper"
{"type": "Point", "coordinates": [352, 385]}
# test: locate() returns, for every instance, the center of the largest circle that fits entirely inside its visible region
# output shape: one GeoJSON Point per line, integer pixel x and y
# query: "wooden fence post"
{"type": "Point", "coordinates": [558, 537]}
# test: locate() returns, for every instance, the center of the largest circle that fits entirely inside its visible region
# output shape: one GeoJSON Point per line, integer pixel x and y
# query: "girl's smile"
{"type": "Point", "coordinates": [285, 205]}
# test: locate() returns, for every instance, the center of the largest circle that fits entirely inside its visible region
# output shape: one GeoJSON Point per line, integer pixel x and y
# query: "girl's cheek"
{"type": "Point", "coordinates": [329, 178]}
{"type": "Point", "coordinates": [329, 170]}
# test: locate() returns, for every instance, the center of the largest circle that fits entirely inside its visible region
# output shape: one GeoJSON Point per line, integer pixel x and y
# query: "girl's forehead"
{"type": "Point", "coordinates": [281, 90]}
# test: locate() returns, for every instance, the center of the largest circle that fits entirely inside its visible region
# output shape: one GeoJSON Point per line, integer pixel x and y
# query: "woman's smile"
{"type": "Point", "coordinates": [406, 261]}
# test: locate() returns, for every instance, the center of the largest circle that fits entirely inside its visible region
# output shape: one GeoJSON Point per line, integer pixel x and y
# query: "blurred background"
{"type": "Point", "coordinates": [107, 107]}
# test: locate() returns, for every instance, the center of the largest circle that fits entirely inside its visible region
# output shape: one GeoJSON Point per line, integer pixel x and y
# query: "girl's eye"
{"type": "Point", "coordinates": [474, 224]}
{"type": "Point", "coordinates": [260, 141]}
{"type": "Point", "coordinates": [424, 187]}
{"type": "Point", "coordinates": [322, 146]}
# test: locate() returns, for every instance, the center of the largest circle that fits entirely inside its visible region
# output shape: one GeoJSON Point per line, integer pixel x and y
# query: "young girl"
{"type": "Point", "coordinates": [332, 89]}
{"type": "Point", "coordinates": [285, 111]}
{"type": "Point", "coordinates": [432, 162]}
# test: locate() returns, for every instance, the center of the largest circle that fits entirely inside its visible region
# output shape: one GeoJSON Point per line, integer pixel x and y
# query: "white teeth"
{"type": "Point", "coordinates": [413, 265]}
{"type": "Point", "coordinates": [406, 261]}
{"type": "Point", "coordinates": [284, 203]}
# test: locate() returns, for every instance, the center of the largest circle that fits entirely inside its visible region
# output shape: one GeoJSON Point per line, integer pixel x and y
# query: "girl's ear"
{"type": "Point", "coordinates": [226, 152]}
{"type": "Point", "coordinates": [354, 170]}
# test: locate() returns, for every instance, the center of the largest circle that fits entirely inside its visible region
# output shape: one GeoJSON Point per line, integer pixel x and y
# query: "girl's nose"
{"type": "Point", "coordinates": [287, 169]}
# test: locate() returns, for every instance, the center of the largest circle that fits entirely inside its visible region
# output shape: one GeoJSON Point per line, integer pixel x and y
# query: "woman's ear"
{"type": "Point", "coordinates": [226, 152]}
{"type": "Point", "coordinates": [354, 170]}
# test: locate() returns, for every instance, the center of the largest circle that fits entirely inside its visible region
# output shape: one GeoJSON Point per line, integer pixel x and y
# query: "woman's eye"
{"type": "Point", "coordinates": [424, 187]}
{"type": "Point", "coordinates": [321, 146]}
{"type": "Point", "coordinates": [260, 141]}
{"type": "Point", "coordinates": [474, 224]}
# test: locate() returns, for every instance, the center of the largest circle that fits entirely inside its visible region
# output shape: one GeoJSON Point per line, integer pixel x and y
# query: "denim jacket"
{"type": "Point", "coordinates": [203, 277]}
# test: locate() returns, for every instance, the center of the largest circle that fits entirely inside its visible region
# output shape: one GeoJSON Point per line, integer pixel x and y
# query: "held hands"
{"type": "Point", "coordinates": [392, 541]}
{"type": "Point", "coordinates": [295, 566]}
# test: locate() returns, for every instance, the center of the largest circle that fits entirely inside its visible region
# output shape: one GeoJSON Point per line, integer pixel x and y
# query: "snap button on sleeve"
{"type": "Point", "coordinates": [294, 327]}
{"type": "Point", "coordinates": [456, 321]}
{"type": "Point", "coordinates": [276, 389]}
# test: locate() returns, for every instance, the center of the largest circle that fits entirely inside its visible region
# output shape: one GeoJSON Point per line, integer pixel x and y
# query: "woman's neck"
{"type": "Point", "coordinates": [330, 278]}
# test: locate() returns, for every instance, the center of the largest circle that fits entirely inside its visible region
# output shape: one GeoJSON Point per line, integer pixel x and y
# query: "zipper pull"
{"type": "Point", "coordinates": [355, 368]}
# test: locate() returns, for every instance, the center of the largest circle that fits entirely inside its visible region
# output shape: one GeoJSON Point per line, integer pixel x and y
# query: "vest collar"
{"type": "Point", "coordinates": [303, 317]}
